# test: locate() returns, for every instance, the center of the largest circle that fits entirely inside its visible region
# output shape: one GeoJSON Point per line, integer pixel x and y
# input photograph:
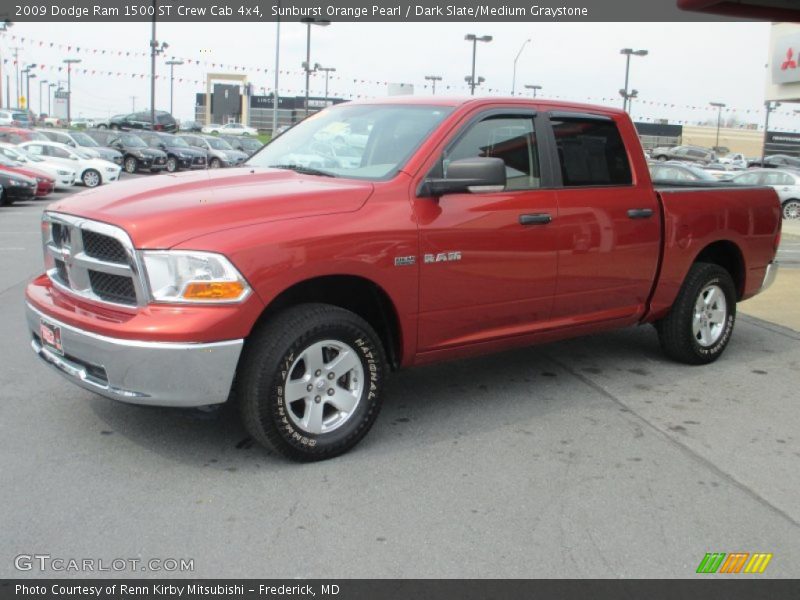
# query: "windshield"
{"type": "Point", "coordinates": [218, 144]}
{"type": "Point", "coordinates": [7, 162]}
{"type": "Point", "coordinates": [358, 141]}
{"type": "Point", "coordinates": [80, 153]}
{"type": "Point", "coordinates": [133, 141]}
{"type": "Point", "coordinates": [84, 140]}
{"type": "Point", "coordinates": [176, 141]}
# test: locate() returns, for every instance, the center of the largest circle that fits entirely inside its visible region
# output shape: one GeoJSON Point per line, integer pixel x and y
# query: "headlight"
{"type": "Point", "coordinates": [17, 182]}
{"type": "Point", "coordinates": [188, 276]}
{"type": "Point", "coordinates": [112, 169]}
{"type": "Point", "coordinates": [63, 172]}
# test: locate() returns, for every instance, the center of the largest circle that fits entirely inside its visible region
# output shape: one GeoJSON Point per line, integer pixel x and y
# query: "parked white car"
{"type": "Point", "coordinates": [785, 183]}
{"type": "Point", "coordinates": [64, 176]}
{"type": "Point", "coordinates": [735, 160]}
{"type": "Point", "coordinates": [91, 171]}
{"type": "Point", "coordinates": [13, 118]}
{"type": "Point", "coordinates": [230, 129]}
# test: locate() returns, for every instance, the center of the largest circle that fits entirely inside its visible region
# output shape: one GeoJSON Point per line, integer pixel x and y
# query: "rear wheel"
{"type": "Point", "coordinates": [700, 323]}
{"type": "Point", "coordinates": [791, 209]}
{"type": "Point", "coordinates": [131, 165]}
{"type": "Point", "coordinates": [310, 382]}
{"type": "Point", "coordinates": [102, 126]}
{"type": "Point", "coordinates": [91, 178]}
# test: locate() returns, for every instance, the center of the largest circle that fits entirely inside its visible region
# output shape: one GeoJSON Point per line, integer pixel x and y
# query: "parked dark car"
{"type": "Point", "coordinates": [136, 155]}
{"type": "Point", "coordinates": [180, 155]}
{"type": "Point", "coordinates": [687, 153]}
{"type": "Point", "coordinates": [142, 120]}
{"type": "Point", "coordinates": [189, 126]}
{"type": "Point", "coordinates": [79, 139]}
{"type": "Point", "coordinates": [16, 188]}
{"type": "Point", "coordinates": [248, 145]}
{"type": "Point", "coordinates": [220, 153]}
{"type": "Point", "coordinates": [776, 161]}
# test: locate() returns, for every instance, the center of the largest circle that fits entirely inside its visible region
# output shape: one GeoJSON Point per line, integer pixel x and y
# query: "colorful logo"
{"type": "Point", "coordinates": [735, 562]}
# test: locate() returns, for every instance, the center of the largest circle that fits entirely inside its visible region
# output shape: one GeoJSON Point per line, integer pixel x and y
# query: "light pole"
{"type": "Point", "coordinates": [719, 106]}
{"type": "Point", "coordinates": [155, 50]}
{"type": "Point", "coordinates": [309, 21]}
{"type": "Point", "coordinates": [133, 104]}
{"type": "Point", "coordinates": [472, 82]}
{"type": "Point", "coordinates": [433, 79]}
{"type": "Point", "coordinates": [277, 68]}
{"type": "Point", "coordinates": [534, 88]}
{"type": "Point", "coordinates": [4, 25]}
{"type": "Point", "coordinates": [514, 77]}
{"type": "Point", "coordinates": [471, 37]}
{"type": "Point", "coordinates": [41, 96]}
{"type": "Point", "coordinates": [69, 62]}
{"type": "Point", "coordinates": [172, 64]}
{"type": "Point", "coordinates": [628, 52]}
{"type": "Point", "coordinates": [28, 88]}
{"type": "Point", "coordinates": [50, 87]}
{"type": "Point", "coordinates": [770, 105]}
{"type": "Point", "coordinates": [327, 71]}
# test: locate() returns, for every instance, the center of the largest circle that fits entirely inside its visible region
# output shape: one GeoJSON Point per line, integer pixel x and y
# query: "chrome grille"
{"type": "Point", "coordinates": [93, 260]}
{"type": "Point", "coordinates": [103, 247]}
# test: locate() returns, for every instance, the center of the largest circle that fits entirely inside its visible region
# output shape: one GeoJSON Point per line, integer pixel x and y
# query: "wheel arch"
{"type": "Point", "coordinates": [350, 292]}
{"type": "Point", "coordinates": [729, 256]}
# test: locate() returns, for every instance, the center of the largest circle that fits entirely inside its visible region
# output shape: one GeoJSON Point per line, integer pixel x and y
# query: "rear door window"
{"type": "Point", "coordinates": [590, 152]}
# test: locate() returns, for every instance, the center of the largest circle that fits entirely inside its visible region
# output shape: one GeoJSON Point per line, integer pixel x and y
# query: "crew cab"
{"type": "Point", "coordinates": [294, 284]}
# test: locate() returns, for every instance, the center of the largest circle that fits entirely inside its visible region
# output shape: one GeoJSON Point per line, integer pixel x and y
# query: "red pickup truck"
{"type": "Point", "coordinates": [444, 228]}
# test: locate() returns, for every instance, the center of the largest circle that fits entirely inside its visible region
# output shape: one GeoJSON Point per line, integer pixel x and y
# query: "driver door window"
{"type": "Point", "coordinates": [509, 138]}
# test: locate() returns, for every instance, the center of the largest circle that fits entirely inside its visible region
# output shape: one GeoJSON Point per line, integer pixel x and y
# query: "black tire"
{"type": "Point", "coordinates": [265, 366]}
{"type": "Point", "coordinates": [172, 164]}
{"type": "Point", "coordinates": [676, 330]}
{"type": "Point", "coordinates": [214, 164]}
{"type": "Point", "coordinates": [5, 199]}
{"type": "Point", "coordinates": [661, 158]}
{"type": "Point", "coordinates": [91, 178]}
{"type": "Point", "coordinates": [130, 164]}
{"type": "Point", "coordinates": [113, 126]}
{"type": "Point", "coordinates": [102, 126]}
{"type": "Point", "coordinates": [791, 209]}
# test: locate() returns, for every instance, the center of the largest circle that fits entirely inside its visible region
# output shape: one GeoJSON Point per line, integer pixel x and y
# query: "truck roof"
{"type": "Point", "coordinates": [463, 101]}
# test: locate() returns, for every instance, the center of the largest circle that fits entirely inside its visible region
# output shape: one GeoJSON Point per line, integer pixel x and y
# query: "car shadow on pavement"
{"type": "Point", "coordinates": [422, 406]}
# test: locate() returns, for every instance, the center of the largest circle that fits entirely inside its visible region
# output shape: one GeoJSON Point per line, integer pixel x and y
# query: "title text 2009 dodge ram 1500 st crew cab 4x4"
{"type": "Point", "coordinates": [294, 284]}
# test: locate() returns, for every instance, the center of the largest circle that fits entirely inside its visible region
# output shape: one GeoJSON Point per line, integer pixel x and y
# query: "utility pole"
{"type": "Point", "coordinates": [433, 79]}
{"type": "Point", "coordinates": [172, 64]}
{"type": "Point", "coordinates": [275, 95]}
{"type": "Point", "coordinates": [133, 103]}
{"type": "Point", "coordinates": [70, 62]}
{"type": "Point", "coordinates": [16, 65]}
{"type": "Point", "coordinates": [4, 25]}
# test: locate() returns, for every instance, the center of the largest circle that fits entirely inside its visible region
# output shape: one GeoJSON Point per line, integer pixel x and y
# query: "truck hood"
{"type": "Point", "coordinates": [164, 210]}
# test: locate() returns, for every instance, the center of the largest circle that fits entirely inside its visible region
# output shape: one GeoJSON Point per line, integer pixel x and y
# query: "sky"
{"type": "Point", "coordinates": [688, 65]}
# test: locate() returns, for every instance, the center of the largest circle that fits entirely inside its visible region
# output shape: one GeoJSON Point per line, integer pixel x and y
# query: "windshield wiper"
{"type": "Point", "coordinates": [303, 170]}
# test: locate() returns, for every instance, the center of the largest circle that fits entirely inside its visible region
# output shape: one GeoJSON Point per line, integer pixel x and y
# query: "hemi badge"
{"type": "Point", "coordinates": [403, 261]}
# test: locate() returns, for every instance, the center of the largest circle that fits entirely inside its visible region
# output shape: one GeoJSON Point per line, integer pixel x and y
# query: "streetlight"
{"type": "Point", "coordinates": [309, 21]}
{"type": "Point", "coordinates": [628, 52]}
{"type": "Point", "coordinates": [155, 50]}
{"type": "Point", "coordinates": [172, 64]}
{"type": "Point", "coordinates": [719, 106]}
{"type": "Point", "coordinates": [4, 25]}
{"type": "Point", "coordinates": [69, 62]}
{"type": "Point", "coordinates": [514, 77]}
{"type": "Point", "coordinates": [41, 83]}
{"type": "Point", "coordinates": [327, 71]}
{"type": "Point", "coordinates": [50, 87]}
{"type": "Point", "coordinates": [471, 37]}
{"type": "Point", "coordinates": [28, 88]}
{"type": "Point", "coordinates": [534, 88]}
{"type": "Point", "coordinates": [277, 70]}
{"type": "Point", "coordinates": [770, 105]}
{"type": "Point", "coordinates": [472, 82]}
{"type": "Point", "coordinates": [433, 79]}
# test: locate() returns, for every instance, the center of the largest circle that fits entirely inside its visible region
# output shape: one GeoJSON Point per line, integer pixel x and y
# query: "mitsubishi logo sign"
{"type": "Point", "coordinates": [786, 60]}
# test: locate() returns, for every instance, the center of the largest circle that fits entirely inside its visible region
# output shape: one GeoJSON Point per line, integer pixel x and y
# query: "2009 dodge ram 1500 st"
{"type": "Point", "coordinates": [381, 235]}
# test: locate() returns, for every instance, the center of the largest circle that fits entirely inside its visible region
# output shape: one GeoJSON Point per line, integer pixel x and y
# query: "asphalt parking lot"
{"type": "Point", "coordinates": [594, 457]}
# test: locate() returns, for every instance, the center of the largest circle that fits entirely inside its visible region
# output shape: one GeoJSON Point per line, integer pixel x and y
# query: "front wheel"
{"type": "Point", "coordinates": [131, 165]}
{"type": "Point", "coordinates": [700, 323]}
{"type": "Point", "coordinates": [310, 382]}
{"type": "Point", "coordinates": [172, 164]}
{"type": "Point", "coordinates": [5, 199]}
{"type": "Point", "coordinates": [91, 178]}
{"type": "Point", "coordinates": [215, 163]}
{"type": "Point", "coordinates": [791, 209]}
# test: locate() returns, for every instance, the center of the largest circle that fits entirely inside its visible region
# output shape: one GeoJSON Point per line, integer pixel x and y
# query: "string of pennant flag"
{"type": "Point", "coordinates": [354, 84]}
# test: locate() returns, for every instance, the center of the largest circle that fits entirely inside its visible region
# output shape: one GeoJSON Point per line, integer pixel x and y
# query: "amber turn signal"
{"type": "Point", "coordinates": [214, 290]}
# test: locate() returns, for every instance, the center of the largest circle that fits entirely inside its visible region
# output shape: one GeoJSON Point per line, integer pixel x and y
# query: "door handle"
{"type": "Point", "coordinates": [640, 213]}
{"type": "Point", "coordinates": [535, 219]}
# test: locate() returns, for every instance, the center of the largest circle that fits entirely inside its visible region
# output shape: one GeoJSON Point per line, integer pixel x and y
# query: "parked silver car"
{"type": "Point", "coordinates": [785, 182]}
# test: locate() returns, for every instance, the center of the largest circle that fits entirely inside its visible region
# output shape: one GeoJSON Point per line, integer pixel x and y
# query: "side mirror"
{"type": "Point", "coordinates": [480, 174]}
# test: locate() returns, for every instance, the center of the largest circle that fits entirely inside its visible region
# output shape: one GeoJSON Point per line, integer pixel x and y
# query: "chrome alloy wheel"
{"type": "Point", "coordinates": [710, 315]}
{"type": "Point", "coordinates": [791, 210]}
{"type": "Point", "coordinates": [324, 386]}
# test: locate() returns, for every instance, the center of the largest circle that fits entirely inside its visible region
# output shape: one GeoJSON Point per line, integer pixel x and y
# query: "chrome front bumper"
{"type": "Point", "coordinates": [770, 275]}
{"type": "Point", "coordinates": [153, 373]}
